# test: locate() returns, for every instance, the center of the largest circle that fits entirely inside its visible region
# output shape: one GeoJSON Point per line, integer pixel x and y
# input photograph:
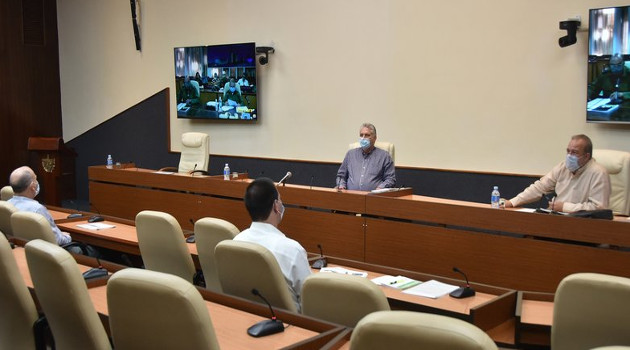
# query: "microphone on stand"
{"type": "Point", "coordinates": [322, 261]}
{"type": "Point", "coordinates": [78, 213]}
{"type": "Point", "coordinates": [95, 218]}
{"type": "Point", "coordinates": [192, 172]}
{"type": "Point", "coordinates": [312, 177]}
{"type": "Point", "coordinates": [286, 177]}
{"type": "Point", "coordinates": [462, 292]}
{"type": "Point", "coordinates": [191, 238]}
{"type": "Point", "coordinates": [266, 327]}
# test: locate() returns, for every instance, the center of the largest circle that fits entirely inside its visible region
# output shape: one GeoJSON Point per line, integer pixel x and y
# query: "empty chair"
{"type": "Point", "coordinates": [162, 244]}
{"type": "Point", "coordinates": [6, 210]}
{"type": "Point", "coordinates": [195, 153]}
{"type": "Point", "coordinates": [416, 330]}
{"type": "Point", "coordinates": [154, 310]}
{"type": "Point", "coordinates": [29, 225]}
{"type": "Point", "coordinates": [19, 314]}
{"type": "Point", "coordinates": [341, 299]}
{"type": "Point", "coordinates": [591, 310]}
{"type": "Point", "coordinates": [208, 233]}
{"type": "Point", "coordinates": [243, 266]}
{"type": "Point", "coordinates": [63, 296]}
{"type": "Point", "coordinates": [386, 146]}
{"type": "Point", "coordinates": [617, 163]}
{"type": "Point", "coordinates": [6, 193]}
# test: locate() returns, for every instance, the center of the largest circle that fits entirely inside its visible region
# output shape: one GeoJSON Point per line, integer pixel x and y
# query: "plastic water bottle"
{"type": "Point", "coordinates": [110, 162]}
{"type": "Point", "coordinates": [226, 172]}
{"type": "Point", "coordinates": [495, 198]}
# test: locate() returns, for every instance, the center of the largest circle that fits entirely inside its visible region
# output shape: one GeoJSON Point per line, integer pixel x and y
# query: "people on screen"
{"type": "Point", "coordinates": [188, 93]}
{"type": "Point", "coordinates": [25, 186]}
{"type": "Point", "coordinates": [613, 82]}
{"type": "Point", "coordinates": [578, 181]}
{"type": "Point", "coordinates": [232, 93]}
{"type": "Point", "coordinates": [243, 81]}
{"type": "Point", "coordinates": [266, 210]}
{"type": "Point", "coordinates": [366, 168]}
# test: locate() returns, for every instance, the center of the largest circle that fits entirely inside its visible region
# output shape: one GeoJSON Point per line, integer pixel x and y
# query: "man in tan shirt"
{"type": "Point", "coordinates": [579, 182]}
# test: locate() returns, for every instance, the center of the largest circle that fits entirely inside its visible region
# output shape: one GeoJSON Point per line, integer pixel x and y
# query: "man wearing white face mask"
{"type": "Point", "coordinates": [26, 187]}
{"type": "Point", "coordinates": [579, 182]}
{"type": "Point", "coordinates": [265, 207]}
{"type": "Point", "coordinates": [366, 168]}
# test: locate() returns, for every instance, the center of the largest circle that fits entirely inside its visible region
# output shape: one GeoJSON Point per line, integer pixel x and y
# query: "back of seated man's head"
{"type": "Point", "coordinates": [259, 198]}
{"type": "Point", "coordinates": [20, 179]}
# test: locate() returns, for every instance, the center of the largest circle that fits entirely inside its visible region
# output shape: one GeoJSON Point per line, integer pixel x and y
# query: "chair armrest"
{"type": "Point", "coordinates": [169, 168]}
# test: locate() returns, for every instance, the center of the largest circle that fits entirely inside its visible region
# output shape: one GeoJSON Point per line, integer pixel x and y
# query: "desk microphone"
{"type": "Point", "coordinates": [192, 172]}
{"type": "Point", "coordinates": [286, 177]}
{"type": "Point", "coordinates": [266, 327]}
{"type": "Point", "coordinates": [95, 272]}
{"type": "Point", "coordinates": [191, 238]}
{"type": "Point", "coordinates": [462, 292]}
{"type": "Point", "coordinates": [95, 218]}
{"type": "Point", "coordinates": [76, 208]}
{"type": "Point", "coordinates": [322, 261]}
{"type": "Point", "coordinates": [311, 184]}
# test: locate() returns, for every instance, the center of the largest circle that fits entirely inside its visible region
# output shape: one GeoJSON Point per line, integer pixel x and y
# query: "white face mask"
{"type": "Point", "coordinates": [364, 143]}
{"type": "Point", "coordinates": [281, 211]}
{"type": "Point", "coordinates": [572, 163]}
{"type": "Point", "coordinates": [37, 189]}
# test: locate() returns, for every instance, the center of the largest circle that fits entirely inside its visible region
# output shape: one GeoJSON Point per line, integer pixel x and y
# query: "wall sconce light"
{"type": "Point", "coordinates": [571, 26]}
{"type": "Point", "coordinates": [266, 50]}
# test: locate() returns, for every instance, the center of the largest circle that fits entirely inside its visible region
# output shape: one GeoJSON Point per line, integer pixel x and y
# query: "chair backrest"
{"type": "Point", "coordinates": [18, 309]}
{"type": "Point", "coordinates": [6, 210]}
{"type": "Point", "coordinates": [29, 225]}
{"type": "Point", "coordinates": [195, 151]}
{"type": "Point", "coordinates": [195, 85]}
{"type": "Point", "coordinates": [6, 193]}
{"type": "Point", "coordinates": [341, 299]}
{"type": "Point", "coordinates": [208, 233]}
{"type": "Point", "coordinates": [162, 244]}
{"type": "Point", "coordinates": [591, 310]}
{"type": "Point", "coordinates": [243, 266]}
{"type": "Point", "coordinates": [618, 165]}
{"type": "Point", "coordinates": [416, 330]}
{"type": "Point", "coordinates": [63, 296]}
{"type": "Point", "coordinates": [386, 146]}
{"type": "Point", "coordinates": [154, 310]}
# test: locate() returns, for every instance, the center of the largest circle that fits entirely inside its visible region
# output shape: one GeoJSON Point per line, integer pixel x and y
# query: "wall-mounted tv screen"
{"type": "Point", "coordinates": [608, 90]}
{"type": "Point", "coordinates": [216, 82]}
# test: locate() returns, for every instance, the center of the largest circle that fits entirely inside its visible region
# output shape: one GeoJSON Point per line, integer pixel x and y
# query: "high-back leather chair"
{"type": "Point", "coordinates": [154, 310]}
{"type": "Point", "coordinates": [386, 146]}
{"type": "Point", "coordinates": [208, 233]}
{"type": "Point", "coordinates": [617, 163]}
{"type": "Point", "coordinates": [195, 154]}
{"type": "Point", "coordinates": [29, 225]}
{"type": "Point", "coordinates": [6, 210]}
{"type": "Point", "coordinates": [6, 193]}
{"type": "Point", "coordinates": [243, 266]}
{"type": "Point", "coordinates": [591, 310]}
{"type": "Point", "coordinates": [162, 244]}
{"type": "Point", "coordinates": [416, 330]}
{"type": "Point", "coordinates": [19, 314]}
{"type": "Point", "coordinates": [341, 299]}
{"type": "Point", "coordinates": [63, 296]}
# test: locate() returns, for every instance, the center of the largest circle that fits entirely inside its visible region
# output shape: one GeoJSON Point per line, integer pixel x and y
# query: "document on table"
{"type": "Point", "coordinates": [343, 271]}
{"type": "Point", "coordinates": [96, 226]}
{"type": "Point", "coordinates": [431, 289]}
{"type": "Point", "coordinates": [397, 282]}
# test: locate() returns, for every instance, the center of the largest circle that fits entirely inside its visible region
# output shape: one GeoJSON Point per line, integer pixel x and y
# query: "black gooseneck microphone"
{"type": "Point", "coordinates": [76, 208]}
{"type": "Point", "coordinates": [95, 272]}
{"type": "Point", "coordinates": [462, 292]}
{"type": "Point", "coordinates": [322, 261]}
{"type": "Point", "coordinates": [192, 172]}
{"type": "Point", "coordinates": [311, 184]}
{"type": "Point", "coordinates": [191, 238]}
{"type": "Point", "coordinates": [266, 327]}
{"type": "Point", "coordinates": [95, 218]}
{"type": "Point", "coordinates": [286, 177]}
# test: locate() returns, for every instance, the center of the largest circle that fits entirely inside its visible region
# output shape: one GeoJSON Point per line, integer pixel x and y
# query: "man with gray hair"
{"type": "Point", "coordinates": [366, 168]}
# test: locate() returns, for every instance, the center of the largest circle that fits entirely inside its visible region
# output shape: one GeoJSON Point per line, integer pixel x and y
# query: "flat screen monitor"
{"type": "Point", "coordinates": [217, 82]}
{"type": "Point", "coordinates": [608, 90]}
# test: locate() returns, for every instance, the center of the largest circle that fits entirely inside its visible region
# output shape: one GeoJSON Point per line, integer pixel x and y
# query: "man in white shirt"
{"type": "Point", "coordinates": [265, 208]}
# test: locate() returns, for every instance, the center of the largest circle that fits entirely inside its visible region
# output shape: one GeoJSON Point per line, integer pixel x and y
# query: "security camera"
{"type": "Point", "coordinates": [571, 27]}
{"type": "Point", "coordinates": [264, 50]}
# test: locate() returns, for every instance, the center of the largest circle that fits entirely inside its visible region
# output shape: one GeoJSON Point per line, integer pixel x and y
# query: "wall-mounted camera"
{"type": "Point", "coordinates": [264, 50]}
{"type": "Point", "coordinates": [571, 26]}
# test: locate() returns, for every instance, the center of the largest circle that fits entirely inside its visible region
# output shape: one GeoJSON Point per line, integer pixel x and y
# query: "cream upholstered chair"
{"type": "Point", "coordinates": [612, 347]}
{"type": "Point", "coordinates": [618, 165]}
{"type": "Point", "coordinates": [591, 310]}
{"type": "Point", "coordinates": [386, 146]}
{"type": "Point", "coordinates": [6, 210]}
{"type": "Point", "coordinates": [19, 314]}
{"type": "Point", "coordinates": [341, 299]}
{"type": "Point", "coordinates": [208, 233]}
{"type": "Point", "coordinates": [29, 225]}
{"type": "Point", "coordinates": [64, 298]}
{"type": "Point", "coordinates": [416, 330]}
{"type": "Point", "coordinates": [243, 266]}
{"type": "Point", "coordinates": [162, 244]}
{"type": "Point", "coordinates": [6, 193]}
{"type": "Point", "coordinates": [195, 153]}
{"type": "Point", "coordinates": [154, 310]}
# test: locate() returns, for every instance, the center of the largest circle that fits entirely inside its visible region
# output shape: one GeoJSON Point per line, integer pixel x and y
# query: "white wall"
{"type": "Point", "coordinates": [467, 85]}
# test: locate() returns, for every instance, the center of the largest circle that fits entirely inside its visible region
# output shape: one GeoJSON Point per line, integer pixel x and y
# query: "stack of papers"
{"type": "Point", "coordinates": [96, 226]}
{"type": "Point", "coordinates": [431, 289]}
{"type": "Point", "coordinates": [398, 282]}
{"type": "Point", "coordinates": [343, 271]}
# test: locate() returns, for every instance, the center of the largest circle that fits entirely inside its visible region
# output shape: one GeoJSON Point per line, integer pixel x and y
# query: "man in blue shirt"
{"type": "Point", "coordinates": [366, 168]}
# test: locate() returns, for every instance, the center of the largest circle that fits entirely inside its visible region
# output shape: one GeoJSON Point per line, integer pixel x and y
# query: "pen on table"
{"type": "Point", "coordinates": [396, 282]}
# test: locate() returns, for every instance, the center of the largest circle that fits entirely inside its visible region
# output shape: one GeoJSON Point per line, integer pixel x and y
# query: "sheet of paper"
{"type": "Point", "coordinates": [96, 226]}
{"type": "Point", "coordinates": [343, 271]}
{"type": "Point", "coordinates": [431, 289]}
